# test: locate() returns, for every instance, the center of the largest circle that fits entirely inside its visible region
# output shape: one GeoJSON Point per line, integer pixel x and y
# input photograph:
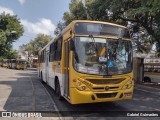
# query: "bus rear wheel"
{"type": "Point", "coordinates": [41, 79]}
{"type": "Point", "coordinates": [147, 79]}
{"type": "Point", "coordinates": [58, 90]}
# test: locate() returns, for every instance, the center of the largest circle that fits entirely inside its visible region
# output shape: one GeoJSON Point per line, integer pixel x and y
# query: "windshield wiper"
{"type": "Point", "coordinates": [93, 40]}
{"type": "Point", "coordinates": [119, 41]}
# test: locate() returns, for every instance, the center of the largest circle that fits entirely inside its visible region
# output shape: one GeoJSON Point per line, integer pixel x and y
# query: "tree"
{"type": "Point", "coordinates": [35, 45]}
{"type": "Point", "coordinates": [12, 54]}
{"type": "Point", "coordinates": [8, 24]}
{"type": "Point", "coordinates": [141, 41]}
{"type": "Point", "coordinates": [59, 28]}
{"type": "Point", "coordinates": [144, 14]}
{"type": "Point", "coordinates": [77, 12]}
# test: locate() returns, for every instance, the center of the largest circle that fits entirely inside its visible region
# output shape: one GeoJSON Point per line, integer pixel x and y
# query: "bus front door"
{"type": "Point", "coordinates": [66, 69]}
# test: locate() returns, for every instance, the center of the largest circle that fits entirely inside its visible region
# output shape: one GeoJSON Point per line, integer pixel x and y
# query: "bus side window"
{"type": "Point", "coordinates": [52, 52]}
{"type": "Point", "coordinates": [59, 49]}
{"type": "Point", "coordinates": [41, 57]}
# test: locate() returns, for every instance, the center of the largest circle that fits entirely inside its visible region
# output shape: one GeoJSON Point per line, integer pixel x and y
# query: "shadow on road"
{"type": "Point", "coordinates": [32, 69]}
{"type": "Point", "coordinates": [24, 92]}
{"type": "Point", "coordinates": [25, 74]}
{"type": "Point", "coordinates": [17, 94]}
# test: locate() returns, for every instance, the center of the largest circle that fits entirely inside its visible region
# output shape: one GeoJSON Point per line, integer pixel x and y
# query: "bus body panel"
{"type": "Point", "coordinates": [86, 97]}
{"type": "Point", "coordinates": [69, 78]}
{"type": "Point", "coordinates": [19, 64]}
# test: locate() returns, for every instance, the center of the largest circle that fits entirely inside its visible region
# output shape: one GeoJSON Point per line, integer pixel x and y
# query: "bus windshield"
{"type": "Point", "coordinates": [102, 56]}
{"type": "Point", "coordinates": [13, 61]}
{"type": "Point", "coordinates": [101, 29]}
{"type": "Point", "coordinates": [22, 62]}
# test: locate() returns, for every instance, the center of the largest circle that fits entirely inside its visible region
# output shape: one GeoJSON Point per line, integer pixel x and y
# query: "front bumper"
{"type": "Point", "coordinates": [78, 97]}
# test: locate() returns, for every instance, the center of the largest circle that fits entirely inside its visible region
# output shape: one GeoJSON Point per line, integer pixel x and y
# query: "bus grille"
{"type": "Point", "coordinates": [106, 95]}
{"type": "Point", "coordinates": [104, 81]}
{"type": "Point", "coordinates": [103, 88]}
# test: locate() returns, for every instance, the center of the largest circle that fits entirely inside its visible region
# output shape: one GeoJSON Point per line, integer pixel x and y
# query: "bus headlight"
{"type": "Point", "coordinates": [81, 86]}
{"type": "Point", "coordinates": [78, 84]}
{"type": "Point", "coordinates": [128, 85]}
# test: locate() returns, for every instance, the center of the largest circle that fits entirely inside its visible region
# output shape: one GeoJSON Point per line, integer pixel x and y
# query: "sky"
{"type": "Point", "coordinates": [37, 16]}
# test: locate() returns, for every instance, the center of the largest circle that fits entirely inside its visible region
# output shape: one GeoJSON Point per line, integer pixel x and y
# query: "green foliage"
{"type": "Point", "coordinates": [35, 45]}
{"type": "Point", "coordinates": [142, 13]}
{"type": "Point", "coordinates": [10, 31]}
{"type": "Point", "coordinates": [9, 53]}
{"type": "Point", "coordinates": [59, 28]}
{"type": "Point", "coordinates": [97, 9]}
{"type": "Point", "coordinates": [142, 45]}
{"type": "Point", "coordinates": [12, 54]}
{"type": "Point", "coordinates": [77, 12]}
{"type": "Point", "coordinates": [3, 38]}
{"type": "Point", "coordinates": [8, 24]}
{"type": "Point", "coordinates": [2, 57]}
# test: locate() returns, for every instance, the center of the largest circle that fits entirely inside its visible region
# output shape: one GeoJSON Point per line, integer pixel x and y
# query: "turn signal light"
{"type": "Point", "coordinates": [128, 94]}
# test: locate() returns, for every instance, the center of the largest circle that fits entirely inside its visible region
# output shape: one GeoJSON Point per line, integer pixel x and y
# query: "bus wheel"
{"type": "Point", "coordinates": [41, 79]}
{"type": "Point", "coordinates": [147, 79]}
{"type": "Point", "coordinates": [58, 90]}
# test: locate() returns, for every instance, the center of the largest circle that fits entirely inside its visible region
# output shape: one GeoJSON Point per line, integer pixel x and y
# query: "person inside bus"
{"type": "Point", "coordinates": [94, 53]}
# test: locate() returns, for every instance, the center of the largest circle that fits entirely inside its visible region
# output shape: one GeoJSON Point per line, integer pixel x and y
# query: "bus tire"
{"type": "Point", "coordinates": [58, 89]}
{"type": "Point", "coordinates": [147, 79]}
{"type": "Point", "coordinates": [41, 79]}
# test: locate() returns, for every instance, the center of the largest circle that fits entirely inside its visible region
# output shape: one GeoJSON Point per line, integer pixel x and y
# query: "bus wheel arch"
{"type": "Point", "coordinates": [58, 88]}
{"type": "Point", "coordinates": [147, 79]}
{"type": "Point", "coordinates": [41, 78]}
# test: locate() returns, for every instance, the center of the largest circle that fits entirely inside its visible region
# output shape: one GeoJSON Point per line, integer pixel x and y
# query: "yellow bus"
{"type": "Point", "coordinates": [12, 63]}
{"type": "Point", "coordinates": [5, 63]}
{"type": "Point", "coordinates": [35, 63]}
{"type": "Point", "coordinates": [21, 64]}
{"type": "Point", "coordinates": [89, 62]}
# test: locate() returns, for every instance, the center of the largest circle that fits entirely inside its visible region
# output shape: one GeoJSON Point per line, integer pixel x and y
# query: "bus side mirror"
{"type": "Point", "coordinates": [72, 45]}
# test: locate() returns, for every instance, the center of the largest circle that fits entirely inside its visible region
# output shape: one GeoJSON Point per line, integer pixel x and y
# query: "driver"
{"type": "Point", "coordinates": [94, 57]}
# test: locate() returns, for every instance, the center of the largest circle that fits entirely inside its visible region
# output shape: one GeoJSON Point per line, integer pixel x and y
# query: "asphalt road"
{"type": "Point", "coordinates": [145, 100]}
{"type": "Point", "coordinates": [21, 91]}
{"type": "Point", "coordinates": [24, 92]}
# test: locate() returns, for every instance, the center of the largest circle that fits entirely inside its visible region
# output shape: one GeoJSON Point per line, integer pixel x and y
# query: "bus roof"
{"type": "Point", "coordinates": [101, 22]}
{"type": "Point", "coordinates": [76, 21]}
{"type": "Point", "coordinates": [89, 21]}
